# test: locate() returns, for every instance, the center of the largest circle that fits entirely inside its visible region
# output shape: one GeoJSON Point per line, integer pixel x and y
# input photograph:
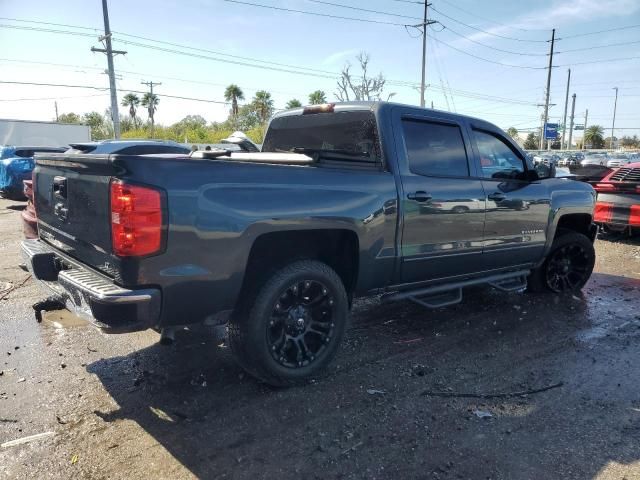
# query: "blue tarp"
{"type": "Point", "coordinates": [13, 171]}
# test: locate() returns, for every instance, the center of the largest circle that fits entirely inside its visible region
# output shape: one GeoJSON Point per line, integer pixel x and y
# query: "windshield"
{"type": "Point", "coordinates": [328, 134]}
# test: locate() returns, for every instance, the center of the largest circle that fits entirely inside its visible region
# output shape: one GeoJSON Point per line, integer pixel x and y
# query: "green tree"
{"type": "Point", "coordinates": [132, 101]}
{"type": "Point", "coordinates": [532, 142]}
{"type": "Point", "coordinates": [150, 101]}
{"type": "Point", "coordinates": [513, 132]}
{"type": "Point", "coordinates": [97, 125]}
{"type": "Point", "coordinates": [69, 118]}
{"type": "Point", "coordinates": [263, 105]}
{"type": "Point", "coordinates": [232, 94]}
{"type": "Point", "coordinates": [295, 103]}
{"type": "Point", "coordinates": [594, 136]}
{"type": "Point", "coordinates": [317, 97]}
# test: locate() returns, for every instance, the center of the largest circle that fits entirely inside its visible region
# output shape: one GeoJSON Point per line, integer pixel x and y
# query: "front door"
{"type": "Point", "coordinates": [443, 205]}
{"type": "Point", "coordinates": [517, 207]}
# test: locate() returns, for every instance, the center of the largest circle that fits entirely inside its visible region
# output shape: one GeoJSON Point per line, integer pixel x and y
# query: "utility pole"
{"type": "Point", "coordinates": [613, 125]}
{"type": "Point", "coordinates": [573, 111]}
{"type": "Point", "coordinates": [586, 117]}
{"type": "Point", "coordinates": [546, 102]}
{"type": "Point", "coordinates": [151, 107]}
{"type": "Point", "coordinates": [55, 104]}
{"type": "Point", "coordinates": [566, 104]}
{"type": "Point", "coordinates": [112, 74]}
{"type": "Point", "coordinates": [425, 23]}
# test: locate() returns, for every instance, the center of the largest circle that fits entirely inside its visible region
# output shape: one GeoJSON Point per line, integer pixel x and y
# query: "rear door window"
{"type": "Point", "coordinates": [435, 149]}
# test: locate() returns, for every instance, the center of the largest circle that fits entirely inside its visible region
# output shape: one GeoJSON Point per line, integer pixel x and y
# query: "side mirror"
{"type": "Point", "coordinates": [545, 171]}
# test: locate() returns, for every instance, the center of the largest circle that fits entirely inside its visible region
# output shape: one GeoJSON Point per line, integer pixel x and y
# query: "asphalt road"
{"type": "Point", "coordinates": [413, 393]}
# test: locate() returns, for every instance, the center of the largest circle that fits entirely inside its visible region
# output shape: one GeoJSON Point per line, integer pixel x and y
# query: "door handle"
{"type": "Point", "coordinates": [419, 196]}
{"type": "Point", "coordinates": [497, 196]}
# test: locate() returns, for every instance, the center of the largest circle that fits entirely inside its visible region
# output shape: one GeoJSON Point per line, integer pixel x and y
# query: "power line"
{"type": "Point", "coordinates": [483, 58]}
{"type": "Point", "coordinates": [51, 98]}
{"type": "Point", "coordinates": [484, 31]}
{"type": "Point", "coordinates": [363, 9]}
{"type": "Point", "coordinates": [492, 47]}
{"type": "Point", "coordinates": [600, 46]}
{"type": "Point", "coordinates": [475, 15]}
{"type": "Point", "coordinates": [601, 31]}
{"type": "Point", "coordinates": [604, 60]}
{"type": "Point", "coordinates": [291, 10]}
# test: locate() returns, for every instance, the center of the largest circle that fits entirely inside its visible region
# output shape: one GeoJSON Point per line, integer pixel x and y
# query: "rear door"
{"type": "Point", "coordinates": [517, 209]}
{"type": "Point", "coordinates": [442, 202]}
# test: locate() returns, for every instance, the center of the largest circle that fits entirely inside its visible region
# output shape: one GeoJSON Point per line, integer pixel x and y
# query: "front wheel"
{"type": "Point", "coordinates": [293, 327]}
{"type": "Point", "coordinates": [567, 267]}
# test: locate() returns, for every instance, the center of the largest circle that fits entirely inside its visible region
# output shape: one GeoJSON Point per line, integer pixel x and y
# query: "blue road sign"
{"type": "Point", "coordinates": [551, 131]}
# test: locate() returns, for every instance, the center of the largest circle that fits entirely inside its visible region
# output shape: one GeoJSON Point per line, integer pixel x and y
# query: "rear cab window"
{"type": "Point", "coordinates": [342, 139]}
{"type": "Point", "coordinates": [435, 149]}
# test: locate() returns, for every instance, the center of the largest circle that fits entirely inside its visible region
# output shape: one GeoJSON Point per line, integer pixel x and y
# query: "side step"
{"type": "Point", "coordinates": [438, 296]}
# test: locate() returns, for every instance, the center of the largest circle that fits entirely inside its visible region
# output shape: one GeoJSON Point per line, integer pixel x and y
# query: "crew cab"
{"type": "Point", "coordinates": [344, 200]}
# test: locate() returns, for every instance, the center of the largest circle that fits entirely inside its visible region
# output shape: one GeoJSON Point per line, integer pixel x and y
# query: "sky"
{"type": "Point", "coordinates": [475, 56]}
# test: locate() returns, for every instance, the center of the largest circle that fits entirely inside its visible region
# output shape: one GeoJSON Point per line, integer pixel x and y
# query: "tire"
{"type": "Point", "coordinates": [291, 329]}
{"type": "Point", "coordinates": [567, 267]}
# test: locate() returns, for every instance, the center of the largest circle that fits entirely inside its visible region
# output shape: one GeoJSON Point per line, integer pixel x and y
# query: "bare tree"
{"type": "Point", "coordinates": [362, 87]}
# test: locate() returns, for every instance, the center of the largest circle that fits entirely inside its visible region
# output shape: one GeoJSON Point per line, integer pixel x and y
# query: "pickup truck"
{"type": "Point", "coordinates": [344, 200]}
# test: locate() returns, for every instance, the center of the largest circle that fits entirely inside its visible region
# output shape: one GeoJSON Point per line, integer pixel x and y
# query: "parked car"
{"type": "Point", "coordinates": [105, 147]}
{"type": "Point", "coordinates": [618, 160]}
{"type": "Point", "coordinates": [569, 160]}
{"type": "Point", "coordinates": [618, 201]}
{"type": "Point", "coordinates": [344, 200]}
{"type": "Point", "coordinates": [595, 159]}
{"type": "Point", "coordinates": [16, 165]}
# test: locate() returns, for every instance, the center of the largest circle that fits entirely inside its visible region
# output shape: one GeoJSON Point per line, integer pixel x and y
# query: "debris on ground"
{"type": "Point", "coordinates": [23, 440]}
{"type": "Point", "coordinates": [482, 413]}
{"type": "Point", "coordinates": [373, 391]}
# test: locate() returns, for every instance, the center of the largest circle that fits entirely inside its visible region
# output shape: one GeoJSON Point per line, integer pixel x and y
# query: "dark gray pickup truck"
{"type": "Point", "coordinates": [344, 200]}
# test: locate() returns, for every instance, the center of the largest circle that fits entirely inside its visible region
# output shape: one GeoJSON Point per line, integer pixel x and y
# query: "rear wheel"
{"type": "Point", "coordinates": [293, 326]}
{"type": "Point", "coordinates": [568, 266]}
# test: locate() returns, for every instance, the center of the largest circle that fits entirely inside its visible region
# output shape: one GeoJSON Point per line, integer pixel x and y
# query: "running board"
{"type": "Point", "coordinates": [439, 296]}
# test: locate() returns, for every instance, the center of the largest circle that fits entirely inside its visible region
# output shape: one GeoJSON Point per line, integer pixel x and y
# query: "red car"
{"type": "Point", "coordinates": [618, 202]}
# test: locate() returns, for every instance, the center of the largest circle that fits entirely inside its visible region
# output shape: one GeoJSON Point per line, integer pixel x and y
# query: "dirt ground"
{"type": "Point", "coordinates": [392, 405]}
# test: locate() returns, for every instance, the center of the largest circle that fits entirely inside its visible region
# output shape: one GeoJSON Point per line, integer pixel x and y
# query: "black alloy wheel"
{"type": "Point", "coordinates": [301, 324]}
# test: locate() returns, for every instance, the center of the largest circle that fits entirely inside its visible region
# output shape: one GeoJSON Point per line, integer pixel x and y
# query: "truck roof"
{"type": "Point", "coordinates": [380, 106]}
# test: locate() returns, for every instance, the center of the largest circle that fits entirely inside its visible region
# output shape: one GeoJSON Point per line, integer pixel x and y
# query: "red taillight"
{"type": "Point", "coordinates": [604, 187]}
{"type": "Point", "coordinates": [603, 212]}
{"type": "Point", "coordinates": [136, 220]}
{"type": "Point", "coordinates": [634, 216]}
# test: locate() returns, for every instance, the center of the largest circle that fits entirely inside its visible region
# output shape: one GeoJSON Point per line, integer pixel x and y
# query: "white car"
{"type": "Point", "coordinates": [618, 160]}
{"type": "Point", "coordinates": [595, 159]}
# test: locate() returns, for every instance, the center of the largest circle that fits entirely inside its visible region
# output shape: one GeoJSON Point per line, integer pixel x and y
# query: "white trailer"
{"type": "Point", "coordinates": [42, 134]}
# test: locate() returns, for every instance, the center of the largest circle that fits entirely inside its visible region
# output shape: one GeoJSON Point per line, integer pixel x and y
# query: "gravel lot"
{"type": "Point", "coordinates": [413, 393]}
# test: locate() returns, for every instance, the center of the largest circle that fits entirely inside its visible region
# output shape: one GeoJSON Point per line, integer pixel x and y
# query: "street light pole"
{"type": "Point", "coordinates": [566, 104]}
{"type": "Point", "coordinates": [613, 125]}
{"type": "Point", "coordinates": [573, 110]}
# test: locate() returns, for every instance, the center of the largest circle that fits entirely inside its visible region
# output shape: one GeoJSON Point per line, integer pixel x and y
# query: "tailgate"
{"type": "Point", "coordinates": [71, 195]}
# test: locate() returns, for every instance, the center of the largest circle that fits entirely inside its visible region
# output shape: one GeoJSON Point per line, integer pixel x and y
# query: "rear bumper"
{"type": "Point", "coordinates": [92, 296]}
{"type": "Point", "coordinates": [618, 209]}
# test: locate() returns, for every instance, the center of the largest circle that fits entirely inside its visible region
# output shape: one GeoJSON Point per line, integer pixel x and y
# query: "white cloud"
{"type": "Point", "coordinates": [564, 13]}
{"type": "Point", "coordinates": [337, 56]}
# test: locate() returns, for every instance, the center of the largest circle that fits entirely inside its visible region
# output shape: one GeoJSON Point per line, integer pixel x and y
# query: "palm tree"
{"type": "Point", "coordinates": [132, 101]}
{"type": "Point", "coordinates": [595, 136]}
{"type": "Point", "coordinates": [512, 132]}
{"type": "Point", "coordinates": [263, 105]}
{"type": "Point", "coordinates": [150, 101]}
{"type": "Point", "coordinates": [232, 94]}
{"type": "Point", "coordinates": [295, 103]}
{"type": "Point", "coordinates": [317, 97]}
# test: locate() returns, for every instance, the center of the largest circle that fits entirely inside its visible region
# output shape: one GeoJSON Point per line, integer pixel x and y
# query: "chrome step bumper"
{"type": "Point", "coordinates": [91, 295]}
